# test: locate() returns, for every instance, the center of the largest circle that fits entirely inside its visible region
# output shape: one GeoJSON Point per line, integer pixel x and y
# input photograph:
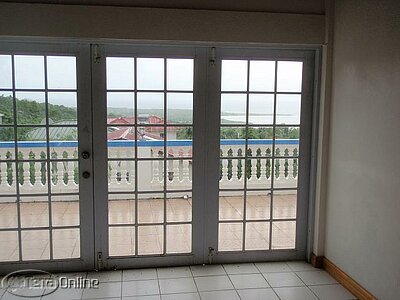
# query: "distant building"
{"type": "Point", "coordinates": [149, 130]}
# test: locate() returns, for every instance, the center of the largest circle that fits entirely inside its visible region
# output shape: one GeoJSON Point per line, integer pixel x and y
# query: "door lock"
{"type": "Point", "coordinates": [85, 174]}
{"type": "Point", "coordinates": [85, 155]}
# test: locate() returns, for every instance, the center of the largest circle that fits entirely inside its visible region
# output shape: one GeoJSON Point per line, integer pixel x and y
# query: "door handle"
{"type": "Point", "coordinates": [85, 155]}
{"type": "Point", "coordinates": [85, 174]}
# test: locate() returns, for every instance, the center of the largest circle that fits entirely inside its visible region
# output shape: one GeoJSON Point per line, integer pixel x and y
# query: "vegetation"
{"type": "Point", "coordinates": [29, 113]}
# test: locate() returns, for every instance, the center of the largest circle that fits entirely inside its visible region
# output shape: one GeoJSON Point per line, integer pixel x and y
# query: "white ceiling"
{"type": "Point", "coordinates": [289, 6]}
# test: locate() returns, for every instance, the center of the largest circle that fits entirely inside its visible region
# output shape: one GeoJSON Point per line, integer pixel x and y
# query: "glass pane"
{"type": "Point", "coordinates": [230, 237]}
{"type": "Point", "coordinates": [121, 176]}
{"type": "Point", "coordinates": [120, 148]}
{"type": "Point", "coordinates": [35, 244]}
{"type": "Point", "coordinates": [232, 172]}
{"type": "Point", "coordinates": [151, 175]}
{"type": "Point", "coordinates": [180, 141]}
{"type": "Point", "coordinates": [62, 108]}
{"type": "Point", "coordinates": [262, 76]}
{"type": "Point", "coordinates": [150, 144]}
{"type": "Point", "coordinates": [234, 75]}
{"type": "Point", "coordinates": [257, 236]}
{"type": "Point", "coordinates": [285, 204]}
{"type": "Point", "coordinates": [179, 174]}
{"type": "Point", "coordinates": [261, 109]}
{"type": "Point", "coordinates": [5, 71]}
{"type": "Point", "coordinates": [121, 241]}
{"type": "Point", "coordinates": [61, 72]}
{"type": "Point", "coordinates": [9, 246]}
{"type": "Point", "coordinates": [232, 136]}
{"type": "Point", "coordinates": [150, 240]}
{"type": "Point", "coordinates": [31, 108]}
{"type": "Point", "coordinates": [231, 205]}
{"type": "Point", "coordinates": [32, 177]}
{"type": "Point", "coordinates": [29, 72]}
{"type": "Point", "coordinates": [120, 73]}
{"type": "Point", "coordinates": [8, 213]}
{"type": "Point", "coordinates": [150, 108]}
{"type": "Point", "coordinates": [259, 142]}
{"type": "Point", "coordinates": [289, 76]}
{"type": "Point", "coordinates": [288, 109]}
{"type": "Point", "coordinates": [286, 173]}
{"type": "Point", "coordinates": [65, 210]}
{"type": "Point", "coordinates": [150, 73]}
{"type": "Point", "coordinates": [287, 133]}
{"type": "Point", "coordinates": [6, 108]}
{"type": "Point", "coordinates": [120, 108]}
{"type": "Point", "coordinates": [150, 208]}
{"type": "Point", "coordinates": [284, 235]}
{"type": "Point", "coordinates": [180, 74]}
{"type": "Point", "coordinates": [180, 108]}
{"type": "Point", "coordinates": [179, 207]}
{"type": "Point", "coordinates": [233, 109]}
{"type": "Point", "coordinates": [121, 208]}
{"type": "Point", "coordinates": [258, 205]}
{"type": "Point", "coordinates": [179, 238]}
{"type": "Point", "coordinates": [7, 143]}
{"type": "Point", "coordinates": [66, 243]}
{"type": "Point", "coordinates": [63, 135]}
{"type": "Point", "coordinates": [34, 211]}
{"type": "Point", "coordinates": [7, 176]}
{"type": "Point", "coordinates": [257, 171]}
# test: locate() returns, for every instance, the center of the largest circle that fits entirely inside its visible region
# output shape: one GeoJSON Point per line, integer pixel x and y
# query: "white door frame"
{"type": "Point", "coordinates": [212, 179]}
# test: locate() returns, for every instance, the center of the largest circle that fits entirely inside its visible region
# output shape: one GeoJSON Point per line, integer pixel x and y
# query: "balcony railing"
{"type": "Point", "coordinates": [64, 176]}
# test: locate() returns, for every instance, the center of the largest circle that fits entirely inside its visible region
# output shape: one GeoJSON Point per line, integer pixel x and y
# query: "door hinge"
{"type": "Point", "coordinates": [100, 264]}
{"type": "Point", "coordinates": [96, 54]}
{"type": "Point", "coordinates": [211, 253]}
{"type": "Point", "coordinates": [213, 56]}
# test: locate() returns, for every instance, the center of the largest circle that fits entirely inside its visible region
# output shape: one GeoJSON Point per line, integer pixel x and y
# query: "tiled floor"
{"type": "Point", "coordinates": [35, 243]}
{"type": "Point", "coordinates": [258, 281]}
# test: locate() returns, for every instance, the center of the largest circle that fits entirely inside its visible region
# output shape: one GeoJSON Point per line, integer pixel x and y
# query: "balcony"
{"type": "Point", "coordinates": [33, 174]}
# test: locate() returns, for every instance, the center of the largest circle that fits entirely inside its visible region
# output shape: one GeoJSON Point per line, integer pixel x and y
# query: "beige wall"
{"type": "Point", "coordinates": [102, 22]}
{"type": "Point", "coordinates": [363, 196]}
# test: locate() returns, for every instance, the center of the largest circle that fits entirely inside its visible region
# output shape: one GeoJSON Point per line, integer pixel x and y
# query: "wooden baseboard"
{"type": "Point", "coordinates": [316, 261]}
{"type": "Point", "coordinates": [345, 280]}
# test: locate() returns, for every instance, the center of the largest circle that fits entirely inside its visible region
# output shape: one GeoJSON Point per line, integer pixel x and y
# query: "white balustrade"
{"type": "Point", "coordinates": [121, 173]}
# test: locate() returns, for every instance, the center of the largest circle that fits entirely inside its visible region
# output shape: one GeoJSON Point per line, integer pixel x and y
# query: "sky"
{"type": "Point", "coordinates": [61, 74]}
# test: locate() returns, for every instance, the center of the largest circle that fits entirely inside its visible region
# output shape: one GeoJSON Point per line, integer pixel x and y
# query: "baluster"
{"type": "Point", "coordinates": [224, 170]}
{"type": "Point", "coordinates": [180, 170]}
{"type": "Point", "coordinates": [186, 171]}
{"type": "Point", "coordinates": [234, 170]}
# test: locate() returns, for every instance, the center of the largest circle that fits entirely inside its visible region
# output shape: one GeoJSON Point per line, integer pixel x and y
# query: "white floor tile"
{"type": "Point", "coordinates": [248, 281]}
{"type": "Point", "coordinates": [316, 277]}
{"type": "Point", "coordinates": [139, 274]}
{"type": "Point", "coordinates": [220, 295]}
{"type": "Point", "coordinates": [140, 288]}
{"type": "Point", "coordinates": [247, 268]}
{"type": "Point", "coordinates": [185, 296]}
{"type": "Point", "coordinates": [213, 283]}
{"type": "Point", "coordinates": [177, 285]}
{"type": "Point", "coordinates": [300, 266]}
{"type": "Point", "coordinates": [283, 279]}
{"type": "Point", "coordinates": [269, 267]}
{"type": "Point", "coordinates": [175, 272]}
{"type": "Point", "coordinates": [331, 292]}
{"type": "Point", "coordinates": [62, 294]}
{"type": "Point", "coordinates": [207, 270]}
{"type": "Point", "coordinates": [151, 297]}
{"type": "Point", "coordinates": [295, 293]}
{"type": "Point", "coordinates": [105, 290]}
{"type": "Point", "coordinates": [105, 276]}
{"type": "Point", "coordinates": [258, 294]}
